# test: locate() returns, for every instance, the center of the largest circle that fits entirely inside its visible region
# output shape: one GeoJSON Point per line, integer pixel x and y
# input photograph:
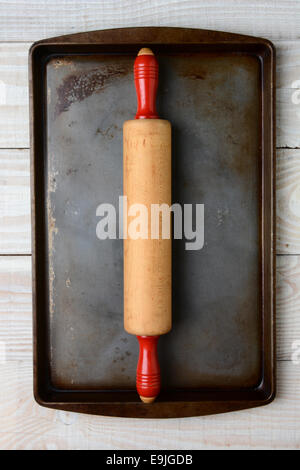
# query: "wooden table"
{"type": "Point", "coordinates": [25, 425]}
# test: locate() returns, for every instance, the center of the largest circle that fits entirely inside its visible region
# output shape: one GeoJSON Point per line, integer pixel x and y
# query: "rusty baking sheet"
{"type": "Point", "coordinates": [217, 89]}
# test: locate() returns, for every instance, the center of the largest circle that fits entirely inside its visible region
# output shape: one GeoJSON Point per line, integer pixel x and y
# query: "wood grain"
{"type": "Point", "coordinates": [15, 308]}
{"type": "Point", "coordinates": [288, 201]}
{"type": "Point", "coordinates": [288, 306]}
{"type": "Point", "coordinates": [288, 64]}
{"type": "Point", "coordinates": [30, 21]}
{"type": "Point", "coordinates": [288, 118]}
{"type": "Point", "coordinates": [14, 114]}
{"type": "Point", "coordinates": [147, 261]}
{"type": "Point", "coordinates": [14, 202]}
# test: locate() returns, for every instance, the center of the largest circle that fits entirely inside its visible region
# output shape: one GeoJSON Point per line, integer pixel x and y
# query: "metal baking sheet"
{"type": "Point", "coordinates": [217, 89]}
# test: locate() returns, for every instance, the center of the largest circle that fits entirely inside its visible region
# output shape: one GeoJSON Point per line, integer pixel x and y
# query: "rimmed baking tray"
{"type": "Point", "coordinates": [217, 89]}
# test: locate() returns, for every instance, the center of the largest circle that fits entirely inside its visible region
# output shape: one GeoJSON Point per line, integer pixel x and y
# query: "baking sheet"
{"type": "Point", "coordinates": [222, 336]}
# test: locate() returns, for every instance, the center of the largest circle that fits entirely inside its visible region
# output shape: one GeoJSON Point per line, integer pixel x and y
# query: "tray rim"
{"type": "Point", "coordinates": [193, 403]}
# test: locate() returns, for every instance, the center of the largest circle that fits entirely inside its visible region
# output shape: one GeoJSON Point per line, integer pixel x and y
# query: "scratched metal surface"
{"type": "Point", "coordinates": [213, 103]}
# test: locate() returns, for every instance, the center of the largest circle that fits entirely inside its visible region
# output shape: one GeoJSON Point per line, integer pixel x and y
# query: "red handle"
{"type": "Point", "coordinates": [148, 371]}
{"type": "Point", "coordinates": [146, 82]}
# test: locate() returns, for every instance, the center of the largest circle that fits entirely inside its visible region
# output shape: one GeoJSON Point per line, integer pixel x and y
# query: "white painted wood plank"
{"type": "Point", "coordinates": [288, 201]}
{"type": "Point", "coordinates": [288, 64]}
{"type": "Point", "coordinates": [288, 118]}
{"type": "Point", "coordinates": [288, 307]}
{"type": "Point", "coordinates": [14, 113]}
{"type": "Point", "coordinates": [25, 425]}
{"type": "Point", "coordinates": [16, 441]}
{"type": "Point", "coordinates": [14, 202]}
{"type": "Point", "coordinates": [288, 94]}
{"type": "Point", "coordinates": [30, 21]}
{"type": "Point", "coordinates": [15, 308]}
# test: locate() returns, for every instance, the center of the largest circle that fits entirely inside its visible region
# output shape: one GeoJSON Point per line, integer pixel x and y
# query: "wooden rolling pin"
{"type": "Point", "coordinates": [147, 262]}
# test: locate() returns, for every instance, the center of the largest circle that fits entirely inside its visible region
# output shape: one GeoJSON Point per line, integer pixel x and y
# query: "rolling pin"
{"type": "Point", "coordinates": [147, 261]}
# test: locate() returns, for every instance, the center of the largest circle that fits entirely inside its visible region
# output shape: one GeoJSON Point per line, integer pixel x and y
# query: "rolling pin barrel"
{"type": "Point", "coordinates": [147, 181]}
{"type": "Point", "coordinates": [147, 259]}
